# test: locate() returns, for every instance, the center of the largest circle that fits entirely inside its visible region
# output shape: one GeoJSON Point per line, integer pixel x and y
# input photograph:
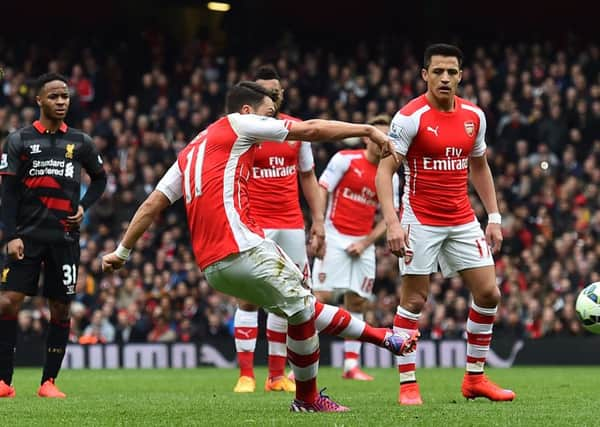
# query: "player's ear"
{"type": "Point", "coordinates": [38, 100]}
{"type": "Point", "coordinates": [459, 76]}
{"type": "Point", "coordinates": [246, 109]}
{"type": "Point", "coordinates": [424, 74]}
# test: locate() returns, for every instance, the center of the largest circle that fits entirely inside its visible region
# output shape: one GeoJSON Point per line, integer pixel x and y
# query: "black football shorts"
{"type": "Point", "coordinates": [58, 262]}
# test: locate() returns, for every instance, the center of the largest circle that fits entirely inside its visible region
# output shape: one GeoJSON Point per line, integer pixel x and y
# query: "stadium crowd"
{"type": "Point", "coordinates": [542, 104]}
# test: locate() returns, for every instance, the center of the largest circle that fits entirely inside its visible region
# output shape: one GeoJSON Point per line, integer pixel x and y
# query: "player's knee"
{"type": "Point", "coordinates": [354, 303]}
{"type": "Point", "coordinates": [9, 306]}
{"type": "Point", "coordinates": [414, 303]}
{"type": "Point", "coordinates": [59, 310]}
{"type": "Point", "coordinates": [323, 296]}
{"type": "Point", "coordinates": [488, 297]}
{"type": "Point", "coordinates": [302, 316]}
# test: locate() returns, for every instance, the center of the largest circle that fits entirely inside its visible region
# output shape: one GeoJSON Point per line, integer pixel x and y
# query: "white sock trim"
{"type": "Point", "coordinates": [483, 310]}
{"type": "Point", "coordinates": [407, 314]}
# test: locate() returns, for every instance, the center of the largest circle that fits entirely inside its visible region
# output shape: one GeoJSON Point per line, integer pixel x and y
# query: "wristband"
{"type": "Point", "coordinates": [494, 218]}
{"type": "Point", "coordinates": [122, 252]}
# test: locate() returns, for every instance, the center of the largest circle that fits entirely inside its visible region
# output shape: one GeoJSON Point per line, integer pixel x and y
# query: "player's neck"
{"type": "Point", "coordinates": [371, 158]}
{"type": "Point", "coordinates": [50, 124]}
{"type": "Point", "coordinates": [444, 105]}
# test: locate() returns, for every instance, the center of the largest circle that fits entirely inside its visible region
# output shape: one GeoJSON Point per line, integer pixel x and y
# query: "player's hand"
{"type": "Point", "coordinates": [397, 239]}
{"type": "Point", "coordinates": [111, 262]}
{"type": "Point", "coordinates": [73, 221]}
{"type": "Point", "coordinates": [493, 235]}
{"type": "Point", "coordinates": [357, 248]}
{"type": "Point", "coordinates": [385, 144]}
{"type": "Point", "coordinates": [316, 242]}
{"type": "Point", "coordinates": [16, 249]}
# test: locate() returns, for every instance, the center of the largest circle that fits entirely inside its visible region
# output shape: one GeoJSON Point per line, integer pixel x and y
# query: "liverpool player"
{"type": "Point", "coordinates": [441, 139]}
{"type": "Point", "coordinates": [274, 204]}
{"type": "Point", "coordinates": [41, 171]}
{"type": "Point", "coordinates": [348, 267]}
{"type": "Point", "coordinates": [211, 174]}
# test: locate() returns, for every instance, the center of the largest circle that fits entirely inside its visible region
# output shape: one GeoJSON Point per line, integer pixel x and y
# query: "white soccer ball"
{"type": "Point", "coordinates": [587, 307]}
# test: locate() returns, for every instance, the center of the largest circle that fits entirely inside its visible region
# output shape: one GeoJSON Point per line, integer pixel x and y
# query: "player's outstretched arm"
{"type": "Point", "coordinates": [396, 238]}
{"type": "Point", "coordinates": [143, 218]}
{"type": "Point", "coordinates": [483, 182]}
{"type": "Point", "coordinates": [331, 130]}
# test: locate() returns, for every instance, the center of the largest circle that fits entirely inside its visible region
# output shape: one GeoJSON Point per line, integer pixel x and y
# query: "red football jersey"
{"type": "Point", "coordinates": [353, 204]}
{"type": "Point", "coordinates": [437, 146]}
{"type": "Point", "coordinates": [212, 174]}
{"type": "Point", "coordinates": [273, 187]}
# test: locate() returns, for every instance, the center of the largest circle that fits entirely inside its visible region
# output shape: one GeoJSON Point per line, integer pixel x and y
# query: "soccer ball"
{"type": "Point", "coordinates": [587, 307]}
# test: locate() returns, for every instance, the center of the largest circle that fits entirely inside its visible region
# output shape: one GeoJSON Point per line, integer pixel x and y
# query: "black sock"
{"type": "Point", "coordinates": [8, 340]}
{"type": "Point", "coordinates": [56, 343]}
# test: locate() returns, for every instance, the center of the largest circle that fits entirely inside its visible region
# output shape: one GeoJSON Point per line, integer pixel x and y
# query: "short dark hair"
{"type": "Point", "coordinates": [47, 78]}
{"type": "Point", "coordinates": [245, 93]}
{"type": "Point", "coordinates": [266, 72]}
{"type": "Point", "coordinates": [380, 120]}
{"type": "Point", "coordinates": [442, 49]}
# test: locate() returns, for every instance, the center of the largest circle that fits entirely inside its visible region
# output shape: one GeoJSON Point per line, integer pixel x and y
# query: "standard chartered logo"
{"type": "Point", "coordinates": [52, 167]}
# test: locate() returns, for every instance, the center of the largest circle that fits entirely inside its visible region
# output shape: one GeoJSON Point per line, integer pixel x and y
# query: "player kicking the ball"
{"type": "Point", "coordinates": [275, 205]}
{"type": "Point", "coordinates": [211, 175]}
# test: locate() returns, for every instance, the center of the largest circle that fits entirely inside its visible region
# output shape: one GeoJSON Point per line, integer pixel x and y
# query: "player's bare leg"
{"type": "Point", "coordinates": [355, 304]}
{"type": "Point", "coordinates": [481, 282]}
{"type": "Point", "coordinates": [245, 331]}
{"type": "Point", "coordinates": [413, 294]}
{"type": "Point", "coordinates": [10, 303]}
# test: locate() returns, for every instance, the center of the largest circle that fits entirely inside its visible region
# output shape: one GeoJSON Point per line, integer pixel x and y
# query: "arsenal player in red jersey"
{"type": "Point", "coordinates": [441, 140]}
{"type": "Point", "coordinates": [275, 205]}
{"type": "Point", "coordinates": [211, 175]}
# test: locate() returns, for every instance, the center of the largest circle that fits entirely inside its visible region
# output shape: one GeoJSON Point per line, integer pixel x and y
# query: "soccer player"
{"type": "Point", "coordinates": [41, 171]}
{"type": "Point", "coordinates": [211, 174]}
{"type": "Point", "coordinates": [441, 139]}
{"type": "Point", "coordinates": [274, 204]}
{"type": "Point", "coordinates": [348, 267]}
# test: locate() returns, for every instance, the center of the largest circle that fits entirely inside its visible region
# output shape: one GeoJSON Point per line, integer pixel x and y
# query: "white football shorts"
{"type": "Point", "coordinates": [293, 243]}
{"type": "Point", "coordinates": [263, 275]}
{"type": "Point", "coordinates": [338, 272]}
{"type": "Point", "coordinates": [453, 248]}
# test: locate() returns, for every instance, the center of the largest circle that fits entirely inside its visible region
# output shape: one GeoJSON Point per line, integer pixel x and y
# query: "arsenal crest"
{"type": "Point", "coordinates": [322, 277]}
{"type": "Point", "coordinates": [408, 256]}
{"type": "Point", "coordinates": [470, 128]}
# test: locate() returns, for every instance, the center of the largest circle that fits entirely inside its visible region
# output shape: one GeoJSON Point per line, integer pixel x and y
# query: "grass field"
{"type": "Point", "coordinates": [561, 396]}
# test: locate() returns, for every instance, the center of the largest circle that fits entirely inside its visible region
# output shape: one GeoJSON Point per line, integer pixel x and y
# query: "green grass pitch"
{"type": "Point", "coordinates": [546, 396]}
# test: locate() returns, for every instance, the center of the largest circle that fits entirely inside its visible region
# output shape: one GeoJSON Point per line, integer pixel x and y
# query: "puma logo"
{"type": "Point", "coordinates": [433, 130]}
{"type": "Point", "coordinates": [358, 172]}
{"type": "Point", "coordinates": [245, 332]}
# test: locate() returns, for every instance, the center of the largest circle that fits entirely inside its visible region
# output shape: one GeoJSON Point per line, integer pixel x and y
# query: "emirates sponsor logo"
{"type": "Point", "coordinates": [277, 169]}
{"type": "Point", "coordinates": [470, 128]}
{"type": "Point", "coordinates": [447, 164]}
{"type": "Point", "coordinates": [282, 172]}
{"type": "Point", "coordinates": [366, 196]}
